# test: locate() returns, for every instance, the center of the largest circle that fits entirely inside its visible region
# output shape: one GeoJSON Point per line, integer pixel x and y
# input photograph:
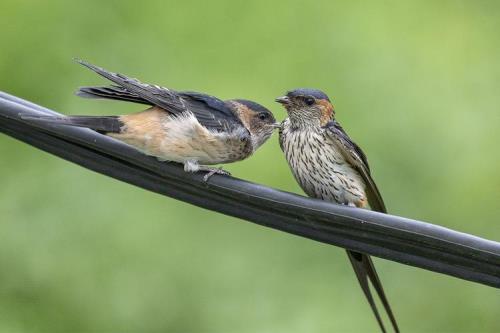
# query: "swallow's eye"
{"type": "Point", "coordinates": [309, 100]}
{"type": "Point", "coordinates": [263, 116]}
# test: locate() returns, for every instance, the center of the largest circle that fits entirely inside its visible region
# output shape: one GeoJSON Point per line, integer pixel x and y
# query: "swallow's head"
{"type": "Point", "coordinates": [307, 107]}
{"type": "Point", "coordinates": [256, 118]}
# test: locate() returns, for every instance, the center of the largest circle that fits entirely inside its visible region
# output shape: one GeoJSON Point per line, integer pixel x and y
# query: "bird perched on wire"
{"type": "Point", "coordinates": [329, 166]}
{"type": "Point", "coordinates": [187, 127]}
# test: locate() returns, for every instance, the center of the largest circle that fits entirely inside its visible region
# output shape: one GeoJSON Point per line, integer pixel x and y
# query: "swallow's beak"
{"type": "Point", "coordinates": [283, 100]}
{"type": "Point", "coordinates": [277, 125]}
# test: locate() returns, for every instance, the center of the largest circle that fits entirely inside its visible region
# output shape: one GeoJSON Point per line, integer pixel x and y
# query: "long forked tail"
{"type": "Point", "coordinates": [365, 270]}
{"type": "Point", "coordinates": [107, 124]}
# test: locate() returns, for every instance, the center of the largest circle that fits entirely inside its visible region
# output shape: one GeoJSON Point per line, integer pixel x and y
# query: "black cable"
{"type": "Point", "coordinates": [390, 237]}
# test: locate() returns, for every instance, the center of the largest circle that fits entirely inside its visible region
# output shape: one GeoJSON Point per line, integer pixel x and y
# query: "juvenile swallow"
{"type": "Point", "coordinates": [191, 128]}
{"type": "Point", "coordinates": [329, 166]}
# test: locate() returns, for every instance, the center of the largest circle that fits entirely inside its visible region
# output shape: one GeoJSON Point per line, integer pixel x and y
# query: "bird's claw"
{"type": "Point", "coordinates": [213, 171]}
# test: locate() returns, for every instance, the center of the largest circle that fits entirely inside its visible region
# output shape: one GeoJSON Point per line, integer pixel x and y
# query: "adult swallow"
{"type": "Point", "coordinates": [329, 166]}
{"type": "Point", "coordinates": [191, 128]}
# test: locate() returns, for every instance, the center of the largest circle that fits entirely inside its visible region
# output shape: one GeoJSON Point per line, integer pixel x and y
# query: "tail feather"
{"type": "Point", "coordinates": [107, 124]}
{"type": "Point", "coordinates": [365, 270]}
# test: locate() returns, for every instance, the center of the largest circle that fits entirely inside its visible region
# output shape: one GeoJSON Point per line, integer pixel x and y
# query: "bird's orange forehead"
{"type": "Point", "coordinates": [327, 110]}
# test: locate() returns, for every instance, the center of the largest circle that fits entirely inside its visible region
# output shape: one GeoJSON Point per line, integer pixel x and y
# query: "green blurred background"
{"type": "Point", "coordinates": [416, 83]}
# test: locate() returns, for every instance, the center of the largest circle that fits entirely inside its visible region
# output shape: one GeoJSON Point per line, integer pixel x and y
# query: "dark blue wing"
{"type": "Point", "coordinates": [111, 92]}
{"type": "Point", "coordinates": [354, 155]}
{"type": "Point", "coordinates": [210, 111]}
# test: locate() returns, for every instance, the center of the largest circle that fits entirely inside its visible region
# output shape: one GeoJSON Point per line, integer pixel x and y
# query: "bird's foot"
{"type": "Point", "coordinates": [193, 166]}
{"type": "Point", "coordinates": [213, 171]}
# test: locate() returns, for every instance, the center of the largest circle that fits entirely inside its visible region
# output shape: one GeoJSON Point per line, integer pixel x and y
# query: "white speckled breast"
{"type": "Point", "coordinates": [319, 166]}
